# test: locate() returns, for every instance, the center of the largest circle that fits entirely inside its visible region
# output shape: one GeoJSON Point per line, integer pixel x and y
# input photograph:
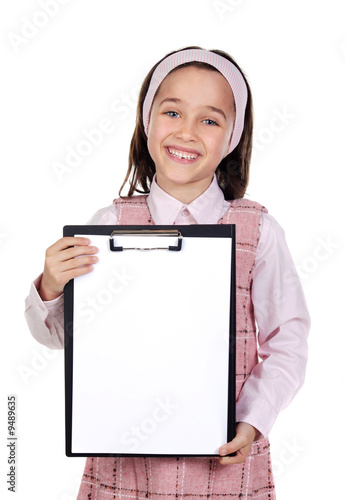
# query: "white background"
{"type": "Point", "coordinates": [84, 64]}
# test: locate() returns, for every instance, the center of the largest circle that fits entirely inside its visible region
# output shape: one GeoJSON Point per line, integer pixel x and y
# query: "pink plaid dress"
{"type": "Point", "coordinates": [164, 478]}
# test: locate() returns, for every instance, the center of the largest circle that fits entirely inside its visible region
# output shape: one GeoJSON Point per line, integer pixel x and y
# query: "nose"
{"type": "Point", "coordinates": [186, 131]}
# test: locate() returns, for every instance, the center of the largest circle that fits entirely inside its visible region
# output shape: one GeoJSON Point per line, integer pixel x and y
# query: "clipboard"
{"type": "Point", "coordinates": [150, 342]}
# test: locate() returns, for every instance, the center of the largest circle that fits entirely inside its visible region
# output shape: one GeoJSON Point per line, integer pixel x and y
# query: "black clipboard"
{"type": "Point", "coordinates": [131, 390]}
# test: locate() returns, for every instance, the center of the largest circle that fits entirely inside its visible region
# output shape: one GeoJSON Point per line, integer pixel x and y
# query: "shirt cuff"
{"type": "Point", "coordinates": [45, 319]}
{"type": "Point", "coordinates": [256, 412]}
{"type": "Point", "coordinates": [54, 306]}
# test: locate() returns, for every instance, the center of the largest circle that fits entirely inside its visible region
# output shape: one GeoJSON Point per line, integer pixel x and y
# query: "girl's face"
{"type": "Point", "coordinates": [191, 123]}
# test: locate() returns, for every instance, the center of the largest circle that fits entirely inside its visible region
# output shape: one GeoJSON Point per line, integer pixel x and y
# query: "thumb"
{"type": "Point", "coordinates": [238, 442]}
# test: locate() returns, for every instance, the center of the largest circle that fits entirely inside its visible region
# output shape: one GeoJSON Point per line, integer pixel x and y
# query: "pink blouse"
{"type": "Point", "coordinates": [279, 306]}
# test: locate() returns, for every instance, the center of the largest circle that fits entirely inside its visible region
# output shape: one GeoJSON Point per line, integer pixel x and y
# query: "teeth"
{"type": "Point", "coordinates": [185, 156]}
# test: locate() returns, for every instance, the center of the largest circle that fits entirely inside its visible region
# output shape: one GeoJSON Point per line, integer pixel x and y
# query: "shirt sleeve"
{"type": "Point", "coordinates": [104, 216]}
{"type": "Point", "coordinates": [45, 319]}
{"type": "Point", "coordinates": [283, 324]}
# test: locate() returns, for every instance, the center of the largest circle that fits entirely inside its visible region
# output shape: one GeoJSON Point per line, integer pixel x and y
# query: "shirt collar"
{"type": "Point", "coordinates": [206, 209]}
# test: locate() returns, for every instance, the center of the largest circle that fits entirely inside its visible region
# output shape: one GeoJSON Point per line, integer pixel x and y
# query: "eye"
{"type": "Point", "coordinates": [210, 122]}
{"type": "Point", "coordinates": [173, 114]}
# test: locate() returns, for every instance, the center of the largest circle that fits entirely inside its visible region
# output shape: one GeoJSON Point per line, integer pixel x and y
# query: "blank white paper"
{"type": "Point", "coordinates": [151, 350]}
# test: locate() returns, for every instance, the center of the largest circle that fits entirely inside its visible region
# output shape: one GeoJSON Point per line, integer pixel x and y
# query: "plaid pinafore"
{"type": "Point", "coordinates": [179, 478]}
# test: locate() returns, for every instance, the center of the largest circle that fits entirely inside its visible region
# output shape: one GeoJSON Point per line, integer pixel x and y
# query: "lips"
{"type": "Point", "coordinates": [182, 153]}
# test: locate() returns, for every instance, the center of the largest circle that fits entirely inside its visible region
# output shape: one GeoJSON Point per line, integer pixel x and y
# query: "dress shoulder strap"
{"type": "Point", "coordinates": [246, 214]}
{"type": "Point", "coordinates": [133, 210]}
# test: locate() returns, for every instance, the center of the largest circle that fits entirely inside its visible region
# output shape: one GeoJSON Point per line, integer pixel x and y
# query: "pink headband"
{"type": "Point", "coordinates": [227, 69]}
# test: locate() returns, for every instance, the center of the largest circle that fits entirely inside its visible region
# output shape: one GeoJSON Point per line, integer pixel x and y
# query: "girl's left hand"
{"type": "Point", "coordinates": [241, 444]}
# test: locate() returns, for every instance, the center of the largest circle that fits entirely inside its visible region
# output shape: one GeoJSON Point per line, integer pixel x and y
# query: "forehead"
{"type": "Point", "coordinates": [196, 83]}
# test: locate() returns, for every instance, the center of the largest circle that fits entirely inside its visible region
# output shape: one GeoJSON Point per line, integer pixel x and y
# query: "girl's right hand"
{"type": "Point", "coordinates": [61, 265]}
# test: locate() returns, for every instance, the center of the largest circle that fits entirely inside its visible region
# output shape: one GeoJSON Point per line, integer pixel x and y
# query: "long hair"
{"type": "Point", "coordinates": [232, 172]}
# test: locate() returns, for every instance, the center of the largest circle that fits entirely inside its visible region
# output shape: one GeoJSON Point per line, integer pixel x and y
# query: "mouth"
{"type": "Point", "coordinates": [182, 154]}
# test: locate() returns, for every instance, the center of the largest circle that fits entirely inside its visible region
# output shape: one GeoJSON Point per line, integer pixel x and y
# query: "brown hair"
{"type": "Point", "coordinates": [232, 172]}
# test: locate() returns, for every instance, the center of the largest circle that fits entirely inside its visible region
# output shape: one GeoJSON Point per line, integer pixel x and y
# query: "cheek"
{"type": "Point", "coordinates": [151, 133]}
{"type": "Point", "coordinates": [226, 143]}
{"type": "Point", "coordinates": [157, 132]}
{"type": "Point", "coordinates": [149, 145]}
{"type": "Point", "coordinates": [220, 145]}
{"type": "Point", "coordinates": [153, 143]}
{"type": "Point", "coordinates": [230, 132]}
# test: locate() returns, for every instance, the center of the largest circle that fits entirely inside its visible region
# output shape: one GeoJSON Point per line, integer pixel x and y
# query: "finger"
{"type": "Point", "coordinates": [54, 281]}
{"type": "Point", "coordinates": [68, 241]}
{"type": "Point", "coordinates": [75, 273]}
{"type": "Point", "coordinates": [69, 265]}
{"type": "Point", "coordinates": [76, 251]}
{"type": "Point", "coordinates": [238, 459]}
{"type": "Point", "coordinates": [54, 259]}
{"type": "Point", "coordinates": [236, 444]}
{"type": "Point", "coordinates": [240, 445]}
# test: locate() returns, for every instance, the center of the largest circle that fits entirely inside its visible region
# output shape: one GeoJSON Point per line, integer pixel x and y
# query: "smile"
{"type": "Point", "coordinates": [182, 155]}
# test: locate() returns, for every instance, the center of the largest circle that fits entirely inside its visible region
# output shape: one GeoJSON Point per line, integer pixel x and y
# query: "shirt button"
{"type": "Point", "coordinates": [185, 212]}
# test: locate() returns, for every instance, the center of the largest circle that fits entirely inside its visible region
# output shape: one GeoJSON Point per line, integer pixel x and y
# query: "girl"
{"type": "Point", "coordinates": [189, 157]}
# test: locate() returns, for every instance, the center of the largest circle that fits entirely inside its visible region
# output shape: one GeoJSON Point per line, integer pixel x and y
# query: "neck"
{"type": "Point", "coordinates": [185, 193]}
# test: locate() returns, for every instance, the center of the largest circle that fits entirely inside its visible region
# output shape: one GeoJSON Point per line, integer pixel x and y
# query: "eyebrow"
{"type": "Point", "coordinates": [211, 108]}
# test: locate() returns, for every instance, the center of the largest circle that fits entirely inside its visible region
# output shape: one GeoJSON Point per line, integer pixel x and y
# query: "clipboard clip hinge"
{"type": "Point", "coordinates": [171, 233]}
